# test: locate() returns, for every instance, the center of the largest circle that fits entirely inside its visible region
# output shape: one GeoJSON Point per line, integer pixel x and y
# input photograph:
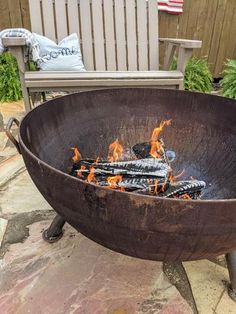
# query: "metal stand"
{"type": "Point", "coordinates": [54, 232]}
{"type": "Point", "coordinates": [231, 263]}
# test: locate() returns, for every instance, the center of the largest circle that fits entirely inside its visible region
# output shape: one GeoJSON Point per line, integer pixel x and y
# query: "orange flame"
{"type": "Point", "coordinates": [172, 178]}
{"type": "Point", "coordinates": [156, 132]}
{"type": "Point", "coordinates": [163, 188]}
{"type": "Point", "coordinates": [185, 197]}
{"type": "Point", "coordinates": [91, 176]}
{"type": "Point", "coordinates": [79, 172]}
{"type": "Point", "coordinates": [115, 151]}
{"type": "Point", "coordinates": [122, 188]}
{"type": "Point", "coordinates": [156, 145]}
{"type": "Point", "coordinates": [156, 187]}
{"type": "Point", "coordinates": [77, 156]}
{"type": "Point", "coordinates": [112, 182]}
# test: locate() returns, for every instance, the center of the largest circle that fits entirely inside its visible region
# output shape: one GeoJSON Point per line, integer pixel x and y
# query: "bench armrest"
{"type": "Point", "coordinates": [13, 41]}
{"type": "Point", "coordinates": [185, 46]}
{"type": "Point", "coordinates": [15, 46]}
{"type": "Point", "coordinates": [185, 43]}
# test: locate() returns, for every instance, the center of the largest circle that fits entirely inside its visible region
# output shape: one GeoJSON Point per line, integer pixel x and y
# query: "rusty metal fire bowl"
{"type": "Point", "coordinates": [203, 135]}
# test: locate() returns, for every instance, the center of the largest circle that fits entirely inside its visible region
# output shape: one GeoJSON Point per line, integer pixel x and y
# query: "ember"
{"type": "Point", "coordinates": [77, 156]}
{"type": "Point", "coordinates": [115, 151]}
{"type": "Point", "coordinates": [149, 174]}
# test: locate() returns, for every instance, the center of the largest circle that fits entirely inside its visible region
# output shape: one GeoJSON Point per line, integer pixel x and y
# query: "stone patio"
{"type": "Point", "coordinates": [76, 275]}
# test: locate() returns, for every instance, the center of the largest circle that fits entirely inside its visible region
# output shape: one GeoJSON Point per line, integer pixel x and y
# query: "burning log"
{"type": "Point", "coordinates": [132, 184]}
{"type": "Point", "coordinates": [132, 175]}
{"type": "Point", "coordinates": [150, 167]}
{"type": "Point", "coordinates": [150, 174]}
{"type": "Point", "coordinates": [142, 150]}
{"type": "Point", "coordinates": [178, 189]}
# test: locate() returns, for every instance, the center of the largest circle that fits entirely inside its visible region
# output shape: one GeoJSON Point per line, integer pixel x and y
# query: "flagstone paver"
{"type": "Point", "coordinates": [10, 167]}
{"type": "Point", "coordinates": [225, 305]}
{"type": "Point", "coordinates": [76, 275]}
{"type": "Point", "coordinates": [3, 226]}
{"type": "Point", "coordinates": [21, 195]}
{"type": "Point", "coordinates": [206, 280]}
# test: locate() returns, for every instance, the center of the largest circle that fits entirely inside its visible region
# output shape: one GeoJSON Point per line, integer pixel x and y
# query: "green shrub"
{"type": "Point", "coordinates": [10, 87]}
{"type": "Point", "coordinates": [228, 83]}
{"type": "Point", "coordinates": [197, 75]}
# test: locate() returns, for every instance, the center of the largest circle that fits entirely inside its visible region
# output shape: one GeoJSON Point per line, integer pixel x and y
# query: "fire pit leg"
{"type": "Point", "coordinates": [54, 232]}
{"type": "Point", "coordinates": [231, 263]}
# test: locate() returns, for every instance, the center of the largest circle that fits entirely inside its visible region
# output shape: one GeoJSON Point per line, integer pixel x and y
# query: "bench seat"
{"type": "Point", "coordinates": [58, 80]}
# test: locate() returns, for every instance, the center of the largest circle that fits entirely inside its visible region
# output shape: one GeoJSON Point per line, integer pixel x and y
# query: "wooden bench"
{"type": "Point", "coordinates": [119, 44]}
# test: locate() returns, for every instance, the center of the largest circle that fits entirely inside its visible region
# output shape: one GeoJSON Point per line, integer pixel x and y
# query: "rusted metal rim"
{"type": "Point", "coordinates": [212, 201]}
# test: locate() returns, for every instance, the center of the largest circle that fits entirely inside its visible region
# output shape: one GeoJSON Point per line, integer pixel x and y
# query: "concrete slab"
{"type": "Point", "coordinates": [10, 167]}
{"type": "Point", "coordinates": [3, 140]}
{"type": "Point", "coordinates": [206, 278]}
{"type": "Point", "coordinates": [76, 275]}
{"type": "Point", "coordinates": [3, 227]}
{"type": "Point", "coordinates": [21, 195]}
{"type": "Point", "coordinates": [226, 305]}
{"type": "Point", "coordinates": [14, 109]}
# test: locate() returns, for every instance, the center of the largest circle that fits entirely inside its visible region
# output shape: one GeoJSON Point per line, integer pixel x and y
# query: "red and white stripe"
{"type": "Point", "coordinates": [171, 6]}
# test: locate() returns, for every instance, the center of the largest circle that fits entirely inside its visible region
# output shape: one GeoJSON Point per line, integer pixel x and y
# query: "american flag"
{"type": "Point", "coordinates": [171, 6]}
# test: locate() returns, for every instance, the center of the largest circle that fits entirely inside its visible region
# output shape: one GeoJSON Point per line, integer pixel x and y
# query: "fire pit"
{"type": "Point", "coordinates": [203, 136]}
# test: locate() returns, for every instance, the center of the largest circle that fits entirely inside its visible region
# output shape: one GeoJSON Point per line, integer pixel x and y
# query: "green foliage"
{"type": "Point", "coordinates": [197, 75]}
{"type": "Point", "coordinates": [173, 66]}
{"type": "Point", "coordinates": [228, 83]}
{"type": "Point", "coordinates": [10, 87]}
{"type": "Point", "coordinates": [33, 66]}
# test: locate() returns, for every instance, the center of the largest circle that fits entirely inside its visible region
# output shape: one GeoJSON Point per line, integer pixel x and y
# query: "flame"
{"type": "Point", "coordinates": [122, 188]}
{"type": "Point", "coordinates": [156, 186]}
{"type": "Point", "coordinates": [163, 188]}
{"type": "Point", "coordinates": [156, 132]}
{"type": "Point", "coordinates": [79, 172]}
{"type": "Point", "coordinates": [115, 151]}
{"type": "Point", "coordinates": [172, 178]}
{"type": "Point", "coordinates": [185, 197]}
{"type": "Point", "coordinates": [91, 176]}
{"type": "Point", "coordinates": [156, 145]}
{"type": "Point", "coordinates": [113, 181]}
{"type": "Point", "coordinates": [77, 156]}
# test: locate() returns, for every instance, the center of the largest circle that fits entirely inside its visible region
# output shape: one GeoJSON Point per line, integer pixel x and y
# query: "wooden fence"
{"type": "Point", "coordinates": [212, 21]}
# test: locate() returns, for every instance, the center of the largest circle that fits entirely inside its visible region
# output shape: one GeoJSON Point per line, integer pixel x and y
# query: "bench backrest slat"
{"type": "Point", "coordinates": [142, 30]}
{"type": "Point", "coordinates": [61, 19]}
{"type": "Point", "coordinates": [153, 38]}
{"type": "Point", "coordinates": [131, 35]}
{"type": "Point", "coordinates": [48, 19]}
{"type": "Point", "coordinates": [120, 35]}
{"type": "Point", "coordinates": [114, 34]}
{"type": "Point", "coordinates": [98, 35]}
{"type": "Point", "coordinates": [35, 16]}
{"type": "Point", "coordinates": [73, 21]}
{"type": "Point", "coordinates": [86, 32]}
{"type": "Point", "coordinates": [109, 34]}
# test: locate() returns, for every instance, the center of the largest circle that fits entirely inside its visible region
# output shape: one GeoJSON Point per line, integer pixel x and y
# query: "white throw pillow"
{"type": "Point", "coordinates": [65, 56]}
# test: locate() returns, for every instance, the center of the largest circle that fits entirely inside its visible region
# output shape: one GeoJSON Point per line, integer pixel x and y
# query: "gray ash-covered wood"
{"type": "Point", "coordinates": [149, 167]}
{"type": "Point", "coordinates": [147, 175]}
{"type": "Point", "coordinates": [191, 188]}
{"type": "Point", "coordinates": [136, 184]}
